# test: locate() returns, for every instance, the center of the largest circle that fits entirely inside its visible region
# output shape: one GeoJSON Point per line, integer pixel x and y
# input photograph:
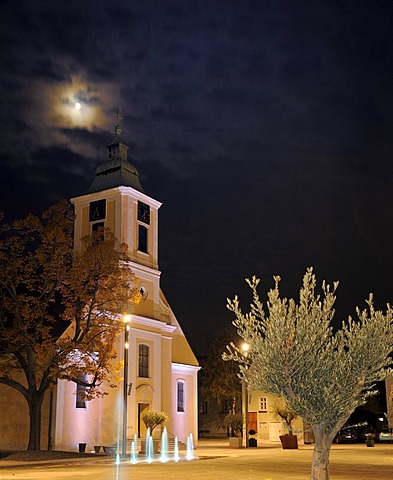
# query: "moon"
{"type": "Point", "coordinates": [78, 106]}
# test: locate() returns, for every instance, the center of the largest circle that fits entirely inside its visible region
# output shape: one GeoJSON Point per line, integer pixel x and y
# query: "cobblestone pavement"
{"type": "Point", "coordinates": [215, 461]}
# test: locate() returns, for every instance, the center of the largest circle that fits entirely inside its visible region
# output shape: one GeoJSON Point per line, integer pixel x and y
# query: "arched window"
{"type": "Point", "coordinates": [181, 396]}
{"type": "Point", "coordinates": [80, 397]}
{"type": "Point", "coordinates": [144, 352]}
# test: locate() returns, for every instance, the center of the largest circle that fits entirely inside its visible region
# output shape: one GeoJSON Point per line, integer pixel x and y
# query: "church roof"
{"type": "Point", "coordinates": [117, 171]}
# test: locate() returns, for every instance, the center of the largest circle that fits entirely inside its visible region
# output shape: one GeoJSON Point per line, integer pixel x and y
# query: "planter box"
{"type": "Point", "coordinates": [289, 441]}
{"type": "Point", "coordinates": [110, 450]}
{"type": "Point", "coordinates": [156, 444]}
{"type": "Point", "coordinates": [235, 442]}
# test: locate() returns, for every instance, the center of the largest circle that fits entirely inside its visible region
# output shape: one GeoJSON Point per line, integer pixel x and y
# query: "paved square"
{"type": "Point", "coordinates": [215, 461]}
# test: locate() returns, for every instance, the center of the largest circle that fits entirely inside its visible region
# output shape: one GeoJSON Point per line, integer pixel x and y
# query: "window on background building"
{"type": "Point", "coordinates": [262, 404]}
{"type": "Point", "coordinates": [80, 397]}
{"type": "Point", "coordinates": [203, 407]}
{"type": "Point", "coordinates": [180, 396]}
{"type": "Point", "coordinates": [142, 238]}
{"type": "Point", "coordinates": [144, 351]}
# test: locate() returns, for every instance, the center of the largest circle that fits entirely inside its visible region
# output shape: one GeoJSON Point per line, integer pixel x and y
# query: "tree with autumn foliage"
{"type": "Point", "coordinates": [322, 374]}
{"type": "Point", "coordinates": [60, 310]}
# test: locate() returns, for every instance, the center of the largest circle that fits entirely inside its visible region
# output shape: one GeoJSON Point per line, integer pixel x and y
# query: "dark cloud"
{"type": "Point", "coordinates": [96, 138]}
{"type": "Point", "coordinates": [30, 188]}
{"type": "Point", "coordinates": [47, 69]}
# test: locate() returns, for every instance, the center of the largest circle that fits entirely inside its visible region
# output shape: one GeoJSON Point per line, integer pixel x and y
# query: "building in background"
{"type": "Point", "coordinates": [264, 421]}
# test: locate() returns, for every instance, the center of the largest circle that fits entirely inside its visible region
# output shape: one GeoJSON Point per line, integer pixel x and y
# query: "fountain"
{"type": "Point", "coordinates": [150, 450]}
{"type": "Point", "coordinates": [176, 456]}
{"type": "Point", "coordinates": [164, 446]}
{"type": "Point", "coordinates": [134, 453]}
{"type": "Point", "coordinates": [149, 447]}
{"type": "Point", "coordinates": [134, 456]}
{"type": "Point", "coordinates": [190, 448]}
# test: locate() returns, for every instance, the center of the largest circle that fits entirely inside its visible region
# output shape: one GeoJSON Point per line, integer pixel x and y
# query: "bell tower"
{"type": "Point", "coordinates": [117, 201]}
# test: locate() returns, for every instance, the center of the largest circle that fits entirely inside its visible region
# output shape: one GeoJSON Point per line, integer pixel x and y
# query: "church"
{"type": "Point", "coordinates": [160, 368]}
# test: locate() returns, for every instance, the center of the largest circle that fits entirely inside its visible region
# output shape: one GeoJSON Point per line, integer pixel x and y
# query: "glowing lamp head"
{"type": "Point", "coordinates": [78, 106]}
{"type": "Point", "coordinates": [245, 348]}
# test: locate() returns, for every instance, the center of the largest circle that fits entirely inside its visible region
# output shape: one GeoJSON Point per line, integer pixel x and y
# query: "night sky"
{"type": "Point", "coordinates": [264, 127]}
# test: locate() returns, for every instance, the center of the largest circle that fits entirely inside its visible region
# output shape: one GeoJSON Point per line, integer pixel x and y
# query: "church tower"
{"type": "Point", "coordinates": [160, 367]}
{"type": "Point", "coordinates": [116, 200]}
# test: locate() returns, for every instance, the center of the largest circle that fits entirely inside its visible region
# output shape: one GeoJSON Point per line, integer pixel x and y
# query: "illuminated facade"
{"type": "Point", "coordinates": [162, 369]}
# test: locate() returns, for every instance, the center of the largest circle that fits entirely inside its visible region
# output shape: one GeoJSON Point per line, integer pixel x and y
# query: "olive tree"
{"type": "Point", "coordinates": [154, 418]}
{"type": "Point", "coordinates": [322, 374]}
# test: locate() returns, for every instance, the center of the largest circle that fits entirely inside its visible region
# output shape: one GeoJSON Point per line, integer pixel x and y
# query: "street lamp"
{"type": "Point", "coordinates": [126, 320]}
{"type": "Point", "coordinates": [245, 349]}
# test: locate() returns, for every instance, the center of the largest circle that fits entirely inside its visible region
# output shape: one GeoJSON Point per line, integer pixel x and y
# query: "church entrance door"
{"type": "Point", "coordinates": [142, 407]}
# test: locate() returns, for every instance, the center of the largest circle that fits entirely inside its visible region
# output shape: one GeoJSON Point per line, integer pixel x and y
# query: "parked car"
{"type": "Point", "coordinates": [386, 435]}
{"type": "Point", "coordinates": [346, 435]}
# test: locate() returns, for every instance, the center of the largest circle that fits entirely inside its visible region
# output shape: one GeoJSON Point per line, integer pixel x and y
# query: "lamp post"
{"type": "Point", "coordinates": [127, 319]}
{"type": "Point", "coordinates": [245, 349]}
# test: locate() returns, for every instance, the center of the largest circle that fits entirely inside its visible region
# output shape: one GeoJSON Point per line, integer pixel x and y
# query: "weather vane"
{"type": "Point", "coordinates": [117, 115]}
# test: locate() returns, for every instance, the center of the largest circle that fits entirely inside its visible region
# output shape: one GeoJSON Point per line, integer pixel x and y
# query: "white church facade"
{"type": "Point", "coordinates": [161, 368]}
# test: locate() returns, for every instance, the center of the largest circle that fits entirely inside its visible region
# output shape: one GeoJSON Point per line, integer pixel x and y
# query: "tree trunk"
{"type": "Point", "coordinates": [35, 406]}
{"type": "Point", "coordinates": [321, 453]}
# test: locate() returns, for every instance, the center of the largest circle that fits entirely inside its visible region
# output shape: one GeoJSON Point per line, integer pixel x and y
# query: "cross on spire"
{"type": "Point", "coordinates": [118, 128]}
{"type": "Point", "coordinates": [117, 115]}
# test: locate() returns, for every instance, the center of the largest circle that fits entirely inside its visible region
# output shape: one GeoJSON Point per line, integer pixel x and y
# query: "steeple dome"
{"type": "Point", "coordinates": [117, 171]}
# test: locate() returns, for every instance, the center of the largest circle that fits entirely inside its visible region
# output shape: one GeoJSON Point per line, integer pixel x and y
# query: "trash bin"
{"type": "Point", "coordinates": [252, 442]}
{"type": "Point", "coordinates": [82, 447]}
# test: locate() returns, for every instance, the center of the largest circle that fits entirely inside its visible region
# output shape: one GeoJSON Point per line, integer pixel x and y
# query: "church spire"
{"type": "Point", "coordinates": [117, 171]}
{"type": "Point", "coordinates": [118, 127]}
{"type": "Point", "coordinates": [117, 148]}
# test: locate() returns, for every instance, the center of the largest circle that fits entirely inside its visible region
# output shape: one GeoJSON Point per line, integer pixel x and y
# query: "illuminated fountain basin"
{"type": "Point", "coordinates": [164, 456]}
